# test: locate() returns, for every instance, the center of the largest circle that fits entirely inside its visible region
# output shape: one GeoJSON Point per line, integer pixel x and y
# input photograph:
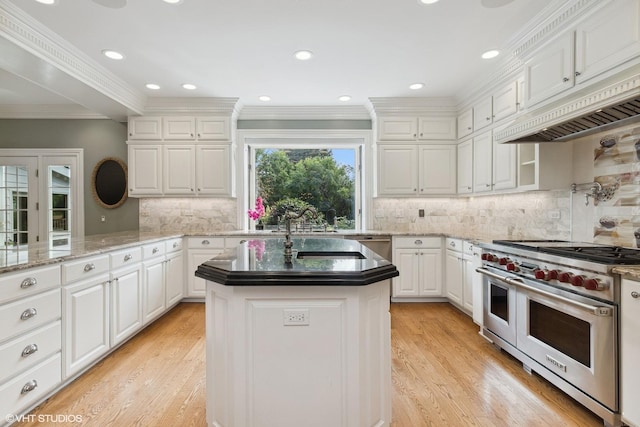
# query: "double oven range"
{"type": "Point", "coordinates": [554, 306]}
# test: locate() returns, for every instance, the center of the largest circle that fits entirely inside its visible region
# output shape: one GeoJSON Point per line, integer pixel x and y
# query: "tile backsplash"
{"type": "Point", "coordinates": [188, 215]}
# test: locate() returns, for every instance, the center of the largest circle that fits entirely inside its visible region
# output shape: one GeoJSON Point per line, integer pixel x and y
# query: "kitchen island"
{"type": "Point", "coordinates": [300, 343]}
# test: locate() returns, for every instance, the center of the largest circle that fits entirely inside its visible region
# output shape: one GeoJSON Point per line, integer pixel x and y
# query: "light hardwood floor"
{"type": "Point", "coordinates": [444, 374]}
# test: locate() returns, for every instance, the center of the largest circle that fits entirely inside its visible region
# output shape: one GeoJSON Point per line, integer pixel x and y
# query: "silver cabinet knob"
{"type": "Point", "coordinates": [155, 250]}
{"type": "Point", "coordinates": [418, 242]}
{"type": "Point", "coordinates": [89, 267]}
{"type": "Point", "coordinates": [28, 313]}
{"type": "Point", "coordinates": [635, 294]}
{"type": "Point", "coordinates": [30, 386]}
{"type": "Point", "coordinates": [565, 79]}
{"type": "Point", "coordinates": [30, 349]}
{"type": "Point", "coordinates": [127, 257]}
{"type": "Point", "coordinates": [206, 242]}
{"type": "Point", "coordinates": [577, 73]}
{"type": "Point", "coordinates": [28, 282]}
{"type": "Point", "coordinates": [175, 245]}
{"type": "Point", "coordinates": [488, 185]}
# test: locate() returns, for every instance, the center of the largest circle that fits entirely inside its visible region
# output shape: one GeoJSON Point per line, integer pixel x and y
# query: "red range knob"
{"type": "Point", "coordinates": [565, 277]}
{"type": "Point", "coordinates": [577, 280]}
{"type": "Point", "coordinates": [484, 257]}
{"type": "Point", "coordinates": [512, 267]}
{"type": "Point", "coordinates": [540, 274]}
{"type": "Point", "coordinates": [503, 261]}
{"type": "Point", "coordinates": [552, 275]}
{"type": "Point", "coordinates": [593, 285]}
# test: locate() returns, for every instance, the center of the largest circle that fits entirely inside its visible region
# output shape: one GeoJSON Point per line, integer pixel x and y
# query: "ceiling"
{"type": "Point", "coordinates": [245, 48]}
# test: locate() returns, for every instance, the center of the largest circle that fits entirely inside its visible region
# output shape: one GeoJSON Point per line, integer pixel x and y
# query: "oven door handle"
{"type": "Point", "coordinates": [492, 274]}
{"type": "Point", "coordinates": [597, 311]}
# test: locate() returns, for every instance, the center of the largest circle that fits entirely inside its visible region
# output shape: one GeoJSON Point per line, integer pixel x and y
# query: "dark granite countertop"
{"type": "Point", "coordinates": [316, 262]}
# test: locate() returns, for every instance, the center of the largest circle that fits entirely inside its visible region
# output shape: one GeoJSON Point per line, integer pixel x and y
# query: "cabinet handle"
{"type": "Point", "coordinates": [417, 254]}
{"type": "Point", "coordinates": [30, 386]}
{"type": "Point", "coordinates": [577, 73]}
{"type": "Point", "coordinates": [418, 242]}
{"type": "Point", "coordinates": [89, 267]}
{"type": "Point", "coordinates": [199, 189]}
{"type": "Point", "coordinates": [199, 135]}
{"type": "Point", "coordinates": [421, 135]}
{"type": "Point", "coordinates": [175, 245]}
{"type": "Point", "coordinates": [28, 282]}
{"type": "Point", "coordinates": [130, 133]}
{"type": "Point", "coordinates": [206, 242]}
{"type": "Point", "coordinates": [635, 294]}
{"type": "Point", "coordinates": [191, 135]}
{"type": "Point", "coordinates": [487, 185]}
{"type": "Point", "coordinates": [192, 190]}
{"type": "Point", "coordinates": [127, 257]}
{"type": "Point", "coordinates": [488, 118]}
{"type": "Point", "coordinates": [468, 188]}
{"type": "Point", "coordinates": [452, 244]}
{"type": "Point", "coordinates": [29, 350]}
{"type": "Point", "coordinates": [422, 189]}
{"type": "Point", "coordinates": [415, 189]}
{"type": "Point", "coordinates": [28, 313]}
{"type": "Point", "coordinates": [565, 79]}
{"type": "Point", "coordinates": [414, 135]}
{"type": "Point", "coordinates": [155, 250]}
{"type": "Point", "coordinates": [469, 128]}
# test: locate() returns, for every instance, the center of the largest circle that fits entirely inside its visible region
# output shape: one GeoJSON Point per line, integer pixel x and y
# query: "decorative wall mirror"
{"type": "Point", "coordinates": [109, 182]}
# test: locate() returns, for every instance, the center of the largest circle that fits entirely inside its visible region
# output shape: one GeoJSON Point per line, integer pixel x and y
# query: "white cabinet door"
{"type": "Point", "coordinates": [430, 272]}
{"type": "Point", "coordinates": [437, 128]}
{"type": "Point", "coordinates": [437, 168]}
{"type": "Point", "coordinates": [483, 114]}
{"type": "Point", "coordinates": [482, 157]}
{"type": "Point", "coordinates": [465, 123]}
{"type": "Point", "coordinates": [213, 175]}
{"type": "Point", "coordinates": [504, 166]}
{"type": "Point", "coordinates": [174, 278]}
{"type": "Point", "coordinates": [183, 128]}
{"type": "Point", "coordinates": [465, 167]}
{"type": "Point", "coordinates": [408, 283]}
{"type": "Point", "coordinates": [145, 170]}
{"type": "Point", "coordinates": [213, 128]}
{"type": "Point", "coordinates": [153, 290]}
{"type": "Point", "coordinates": [397, 170]}
{"type": "Point", "coordinates": [453, 277]}
{"type": "Point", "coordinates": [468, 271]}
{"type": "Point", "coordinates": [397, 128]}
{"type": "Point", "coordinates": [607, 39]}
{"type": "Point", "coordinates": [505, 101]}
{"type": "Point", "coordinates": [126, 303]}
{"type": "Point", "coordinates": [179, 169]}
{"type": "Point", "coordinates": [550, 71]}
{"type": "Point", "coordinates": [86, 322]}
{"type": "Point", "coordinates": [629, 351]}
{"type": "Point", "coordinates": [148, 128]}
{"type": "Point", "coordinates": [196, 286]}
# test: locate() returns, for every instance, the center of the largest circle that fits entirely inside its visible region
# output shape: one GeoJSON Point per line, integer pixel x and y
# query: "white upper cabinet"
{"type": "Point", "coordinates": [465, 123]}
{"type": "Point", "coordinates": [179, 128]}
{"type": "Point", "coordinates": [416, 128]}
{"type": "Point", "coordinates": [145, 170]}
{"type": "Point", "coordinates": [482, 161]}
{"type": "Point", "coordinates": [213, 170]}
{"type": "Point", "coordinates": [213, 128]}
{"type": "Point", "coordinates": [607, 39]}
{"type": "Point", "coordinates": [465, 167]}
{"type": "Point", "coordinates": [437, 169]}
{"type": "Point", "coordinates": [504, 166]}
{"type": "Point", "coordinates": [483, 114]}
{"type": "Point", "coordinates": [550, 71]}
{"type": "Point", "coordinates": [179, 169]}
{"type": "Point", "coordinates": [505, 101]}
{"type": "Point", "coordinates": [145, 128]}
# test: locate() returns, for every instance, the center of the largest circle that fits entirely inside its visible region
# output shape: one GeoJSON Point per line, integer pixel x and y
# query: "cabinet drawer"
{"type": "Point", "coordinates": [26, 389]}
{"type": "Point", "coordinates": [28, 282]}
{"type": "Point", "coordinates": [173, 245]}
{"type": "Point", "coordinates": [232, 242]}
{"type": "Point", "coordinates": [125, 257]}
{"type": "Point", "coordinates": [83, 268]}
{"type": "Point", "coordinates": [454, 244]}
{"type": "Point", "coordinates": [467, 247]}
{"type": "Point", "coordinates": [29, 313]}
{"type": "Point", "coordinates": [30, 349]}
{"type": "Point", "coordinates": [417, 242]}
{"type": "Point", "coordinates": [205, 242]}
{"type": "Point", "coordinates": [153, 250]}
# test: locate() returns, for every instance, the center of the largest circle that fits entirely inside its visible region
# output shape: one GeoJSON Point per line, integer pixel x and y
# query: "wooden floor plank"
{"type": "Point", "coordinates": [443, 372]}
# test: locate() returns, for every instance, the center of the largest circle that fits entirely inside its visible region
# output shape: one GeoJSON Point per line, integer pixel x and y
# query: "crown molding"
{"type": "Point", "coordinates": [412, 106]}
{"type": "Point", "coordinates": [25, 32]}
{"type": "Point", "coordinates": [51, 111]}
{"type": "Point", "coordinates": [198, 105]}
{"type": "Point", "coordinates": [324, 112]}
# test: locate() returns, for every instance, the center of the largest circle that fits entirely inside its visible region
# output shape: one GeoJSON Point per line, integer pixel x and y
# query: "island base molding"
{"type": "Point", "coordinates": [302, 355]}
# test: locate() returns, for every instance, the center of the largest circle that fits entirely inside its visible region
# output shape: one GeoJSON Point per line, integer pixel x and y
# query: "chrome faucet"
{"type": "Point", "coordinates": [288, 216]}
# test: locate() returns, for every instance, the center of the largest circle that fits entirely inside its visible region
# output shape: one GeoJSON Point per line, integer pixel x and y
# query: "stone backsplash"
{"type": "Point", "coordinates": [188, 215]}
{"type": "Point", "coordinates": [533, 215]}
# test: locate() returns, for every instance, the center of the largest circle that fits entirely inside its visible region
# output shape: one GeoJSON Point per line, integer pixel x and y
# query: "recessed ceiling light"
{"type": "Point", "coordinates": [416, 86]}
{"type": "Point", "coordinates": [264, 98]}
{"type": "Point", "coordinates": [304, 55]}
{"type": "Point", "coordinates": [173, 1]}
{"type": "Point", "coordinates": [490, 54]}
{"type": "Point", "coordinates": [112, 54]}
{"type": "Point", "coordinates": [427, 1]}
{"type": "Point", "coordinates": [46, 1]}
{"type": "Point", "coordinates": [344, 98]}
{"type": "Point", "coordinates": [152, 86]}
{"type": "Point", "coordinates": [189, 86]}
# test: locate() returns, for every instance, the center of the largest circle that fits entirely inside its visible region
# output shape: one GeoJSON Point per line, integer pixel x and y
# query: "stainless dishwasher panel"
{"type": "Point", "coordinates": [379, 244]}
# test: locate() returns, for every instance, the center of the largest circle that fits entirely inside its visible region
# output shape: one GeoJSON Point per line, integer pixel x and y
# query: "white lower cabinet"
{"type": "Point", "coordinates": [86, 322]}
{"type": "Point", "coordinates": [419, 261]}
{"type": "Point", "coordinates": [153, 289]}
{"type": "Point", "coordinates": [174, 276]}
{"type": "Point", "coordinates": [629, 350]}
{"type": "Point", "coordinates": [126, 303]}
{"type": "Point", "coordinates": [199, 250]}
{"type": "Point", "coordinates": [459, 274]}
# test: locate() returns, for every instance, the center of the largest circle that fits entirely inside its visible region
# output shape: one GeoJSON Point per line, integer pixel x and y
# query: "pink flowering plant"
{"type": "Point", "coordinates": [258, 212]}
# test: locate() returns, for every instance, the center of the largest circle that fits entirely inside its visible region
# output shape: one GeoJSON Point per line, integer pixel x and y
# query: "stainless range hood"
{"type": "Point", "coordinates": [605, 109]}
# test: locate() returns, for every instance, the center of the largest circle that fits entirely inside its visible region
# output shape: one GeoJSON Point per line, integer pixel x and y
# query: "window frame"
{"type": "Point", "coordinates": [360, 140]}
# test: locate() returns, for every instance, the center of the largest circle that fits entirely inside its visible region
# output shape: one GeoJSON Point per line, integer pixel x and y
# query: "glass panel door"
{"type": "Point", "coordinates": [59, 209]}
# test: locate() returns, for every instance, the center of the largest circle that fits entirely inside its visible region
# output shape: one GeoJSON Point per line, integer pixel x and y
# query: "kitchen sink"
{"type": "Point", "coordinates": [329, 255]}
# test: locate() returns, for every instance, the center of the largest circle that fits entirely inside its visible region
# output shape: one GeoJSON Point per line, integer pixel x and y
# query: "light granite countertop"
{"type": "Point", "coordinates": [628, 272]}
{"type": "Point", "coordinates": [41, 254]}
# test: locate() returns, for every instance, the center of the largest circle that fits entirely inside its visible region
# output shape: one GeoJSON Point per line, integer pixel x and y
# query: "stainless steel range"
{"type": "Point", "coordinates": [554, 306]}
